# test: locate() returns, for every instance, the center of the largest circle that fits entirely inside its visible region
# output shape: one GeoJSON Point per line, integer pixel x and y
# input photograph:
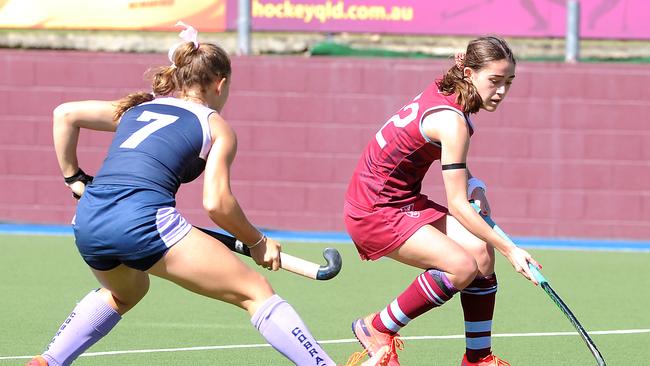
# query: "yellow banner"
{"type": "Point", "coordinates": [205, 15]}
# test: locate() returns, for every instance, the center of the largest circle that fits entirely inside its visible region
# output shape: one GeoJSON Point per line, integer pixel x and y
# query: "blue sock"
{"type": "Point", "coordinates": [90, 320]}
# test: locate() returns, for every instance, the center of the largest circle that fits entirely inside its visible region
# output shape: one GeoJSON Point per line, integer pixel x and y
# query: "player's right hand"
{"type": "Point", "coordinates": [267, 254]}
{"type": "Point", "coordinates": [77, 189]}
{"type": "Point", "coordinates": [519, 258]}
{"type": "Point", "coordinates": [77, 182]}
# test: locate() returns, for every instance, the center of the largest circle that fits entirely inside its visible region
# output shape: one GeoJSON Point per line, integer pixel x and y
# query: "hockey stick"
{"type": "Point", "coordinates": [289, 262]}
{"type": "Point", "coordinates": [543, 282]}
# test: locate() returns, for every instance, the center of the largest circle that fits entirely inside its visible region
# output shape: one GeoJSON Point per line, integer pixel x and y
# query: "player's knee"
{"type": "Point", "coordinates": [466, 270]}
{"type": "Point", "coordinates": [132, 296]}
{"type": "Point", "coordinates": [485, 260]}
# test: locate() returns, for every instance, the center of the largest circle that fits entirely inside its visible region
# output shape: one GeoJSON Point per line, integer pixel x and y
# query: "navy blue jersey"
{"type": "Point", "coordinates": [127, 214]}
{"type": "Point", "coordinates": [158, 145]}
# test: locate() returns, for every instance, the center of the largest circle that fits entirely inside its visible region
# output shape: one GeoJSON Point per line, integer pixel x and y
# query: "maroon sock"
{"type": "Point", "coordinates": [478, 300]}
{"type": "Point", "coordinates": [429, 290]}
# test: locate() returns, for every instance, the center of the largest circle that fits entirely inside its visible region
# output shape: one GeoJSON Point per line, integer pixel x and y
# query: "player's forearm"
{"type": "Point", "coordinates": [69, 118]}
{"type": "Point", "coordinates": [226, 212]}
{"type": "Point", "coordinates": [66, 136]}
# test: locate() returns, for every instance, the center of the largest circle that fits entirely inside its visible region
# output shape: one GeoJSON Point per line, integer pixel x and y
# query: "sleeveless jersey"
{"type": "Point", "coordinates": [127, 214]}
{"type": "Point", "coordinates": [394, 163]}
{"type": "Point", "coordinates": [158, 145]}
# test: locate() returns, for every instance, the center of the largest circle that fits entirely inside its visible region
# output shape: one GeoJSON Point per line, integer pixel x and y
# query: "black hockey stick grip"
{"type": "Point", "coordinates": [288, 262]}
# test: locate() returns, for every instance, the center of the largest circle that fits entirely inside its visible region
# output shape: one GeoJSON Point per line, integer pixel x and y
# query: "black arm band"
{"type": "Point", "coordinates": [79, 176]}
{"type": "Point", "coordinates": [454, 166]}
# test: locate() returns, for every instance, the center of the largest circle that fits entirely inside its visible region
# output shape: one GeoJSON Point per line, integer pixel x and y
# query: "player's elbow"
{"type": "Point", "coordinates": [455, 207]}
{"type": "Point", "coordinates": [453, 211]}
{"type": "Point", "coordinates": [216, 205]}
{"type": "Point", "coordinates": [212, 206]}
{"type": "Point", "coordinates": [62, 114]}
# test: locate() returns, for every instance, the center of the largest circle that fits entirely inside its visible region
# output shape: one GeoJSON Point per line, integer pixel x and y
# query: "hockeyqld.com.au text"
{"type": "Point", "coordinates": [329, 11]}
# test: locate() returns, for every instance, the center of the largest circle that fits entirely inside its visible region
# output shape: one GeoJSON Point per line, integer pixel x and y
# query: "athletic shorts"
{"type": "Point", "coordinates": [381, 230]}
{"type": "Point", "coordinates": [126, 225]}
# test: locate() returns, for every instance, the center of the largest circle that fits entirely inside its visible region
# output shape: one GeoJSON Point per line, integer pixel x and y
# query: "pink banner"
{"type": "Point", "coordinates": [623, 19]}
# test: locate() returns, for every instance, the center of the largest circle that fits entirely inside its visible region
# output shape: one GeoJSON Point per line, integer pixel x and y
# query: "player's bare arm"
{"type": "Point", "coordinates": [68, 119]}
{"type": "Point", "coordinates": [451, 131]}
{"type": "Point", "coordinates": [221, 204]}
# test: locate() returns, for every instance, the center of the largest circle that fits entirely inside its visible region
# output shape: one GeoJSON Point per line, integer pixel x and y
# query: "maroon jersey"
{"type": "Point", "coordinates": [392, 166]}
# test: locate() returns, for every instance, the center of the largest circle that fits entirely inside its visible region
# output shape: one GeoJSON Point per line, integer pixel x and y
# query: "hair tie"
{"type": "Point", "coordinates": [189, 34]}
{"type": "Point", "coordinates": [460, 60]}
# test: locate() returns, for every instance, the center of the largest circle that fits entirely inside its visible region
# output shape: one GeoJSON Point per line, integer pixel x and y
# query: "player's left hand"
{"type": "Point", "coordinates": [267, 254]}
{"type": "Point", "coordinates": [479, 197]}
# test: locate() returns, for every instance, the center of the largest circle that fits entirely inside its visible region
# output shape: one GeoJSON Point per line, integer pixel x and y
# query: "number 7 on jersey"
{"type": "Point", "coordinates": [159, 121]}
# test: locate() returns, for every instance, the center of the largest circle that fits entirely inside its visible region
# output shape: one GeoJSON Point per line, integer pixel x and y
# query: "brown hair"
{"type": "Point", "coordinates": [192, 66]}
{"type": "Point", "coordinates": [479, 53]}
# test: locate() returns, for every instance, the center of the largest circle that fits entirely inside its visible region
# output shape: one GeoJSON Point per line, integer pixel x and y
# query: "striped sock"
{"type": "Point", "coordinates": [478, 300]}
{"type": "Point", "coordinates": [429, 290]}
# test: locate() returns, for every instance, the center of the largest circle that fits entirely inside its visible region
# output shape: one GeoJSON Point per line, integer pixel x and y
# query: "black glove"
{"type": "Point", "coordinates": [79, 176]}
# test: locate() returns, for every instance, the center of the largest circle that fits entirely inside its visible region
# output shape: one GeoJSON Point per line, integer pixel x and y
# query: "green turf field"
{"type": "Point", "coordinates": [43, 277]}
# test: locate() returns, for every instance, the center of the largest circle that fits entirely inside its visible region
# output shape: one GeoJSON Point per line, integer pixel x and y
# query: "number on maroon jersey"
{"type": "Point", "coordinates": [399, 121]}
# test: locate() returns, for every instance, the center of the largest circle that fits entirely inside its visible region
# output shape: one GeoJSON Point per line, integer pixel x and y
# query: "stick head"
{"type": "Point", "coordinates": [333, 266]}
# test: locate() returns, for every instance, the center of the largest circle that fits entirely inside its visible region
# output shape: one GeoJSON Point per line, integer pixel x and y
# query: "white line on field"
{"type": "Point", "coordinates": [339, 341]}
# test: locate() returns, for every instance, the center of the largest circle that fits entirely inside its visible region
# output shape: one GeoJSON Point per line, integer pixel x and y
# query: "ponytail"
{"type": "Point", "coordinates": [454, 82]}
{"type": "Point", "coordinates": [192, 66]}
{"type": "Point", "coordinates": [163, 84]}
{"type": "Point", "coordinates": [130, 101]}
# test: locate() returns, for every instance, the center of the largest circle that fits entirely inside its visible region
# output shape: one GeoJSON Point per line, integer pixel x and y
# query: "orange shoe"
{"type": "Point", "coordinates": [37, 361]}
{"type": "Point", "coordinates": [489, 360]}
{"type": "Point", "coordinates": [373, 340]}
{"type": "Point", "coordinates": [376, 360]}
